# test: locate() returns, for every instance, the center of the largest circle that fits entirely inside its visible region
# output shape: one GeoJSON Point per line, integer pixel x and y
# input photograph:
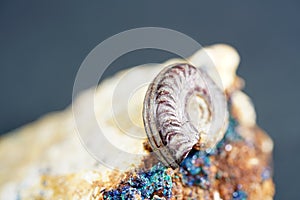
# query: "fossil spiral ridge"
{"type": "Point", "coordinates": [182, 107]}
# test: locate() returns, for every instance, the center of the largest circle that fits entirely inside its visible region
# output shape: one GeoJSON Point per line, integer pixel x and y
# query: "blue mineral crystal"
{"type": "Point", "coordinates": [239, 195]}
{"type": "Point", "coordinates": [144, 185]}
{"type": "Point", "coordinates": [195, 169]}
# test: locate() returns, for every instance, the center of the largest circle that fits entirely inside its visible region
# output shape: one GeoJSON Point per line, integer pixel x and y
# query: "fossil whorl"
{"type": "Point", "coordinates": [183, 107]}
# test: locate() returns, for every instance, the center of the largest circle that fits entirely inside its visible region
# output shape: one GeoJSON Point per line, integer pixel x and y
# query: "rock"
{"type": "Point", "coordinates": [51, 158]}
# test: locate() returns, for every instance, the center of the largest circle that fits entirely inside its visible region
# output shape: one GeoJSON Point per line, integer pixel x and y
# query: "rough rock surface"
{"type": "Point", "coordinates": [46, 159]}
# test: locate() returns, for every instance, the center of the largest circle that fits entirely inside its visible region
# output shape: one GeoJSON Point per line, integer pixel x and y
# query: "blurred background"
{"type": "Point", "coordinates": [42, 44]}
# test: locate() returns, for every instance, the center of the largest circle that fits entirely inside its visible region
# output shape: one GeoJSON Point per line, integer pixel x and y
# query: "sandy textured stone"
{"type": "Point", "coordinates": [45, 159]}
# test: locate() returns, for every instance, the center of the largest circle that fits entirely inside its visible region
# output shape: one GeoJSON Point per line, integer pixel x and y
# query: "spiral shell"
{"type": "Point", "coordinates": [183, 107]}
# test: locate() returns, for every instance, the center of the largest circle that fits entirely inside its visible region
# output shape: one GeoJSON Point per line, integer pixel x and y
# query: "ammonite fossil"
{"type": "Point", "coordinates": [183, 108]}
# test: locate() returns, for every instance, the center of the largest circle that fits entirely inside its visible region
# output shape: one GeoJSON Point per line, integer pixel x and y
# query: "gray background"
{"type": "Point", "coordinates": [42, 44]}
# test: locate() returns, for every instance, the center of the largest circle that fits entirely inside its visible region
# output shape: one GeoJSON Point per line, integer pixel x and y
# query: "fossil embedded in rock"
{"type": "Point", "coordinates": [183, 108]}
